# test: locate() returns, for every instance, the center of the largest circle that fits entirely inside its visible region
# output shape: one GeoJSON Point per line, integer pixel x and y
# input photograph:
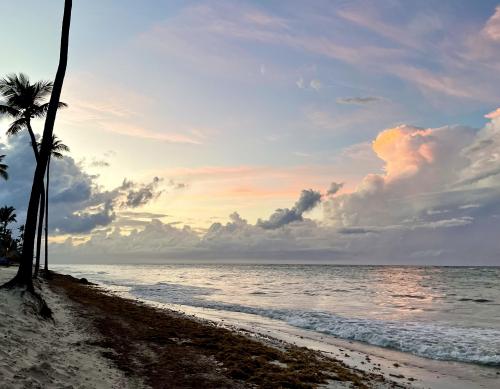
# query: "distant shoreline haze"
{"type": "Point", "coordinates": [229, 261]}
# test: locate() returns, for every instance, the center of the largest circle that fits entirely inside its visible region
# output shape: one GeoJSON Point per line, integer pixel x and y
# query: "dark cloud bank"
{"type": "Point", "coordinates": [78, 204]}
{"type": "Point", "coordinates": [281, 217]}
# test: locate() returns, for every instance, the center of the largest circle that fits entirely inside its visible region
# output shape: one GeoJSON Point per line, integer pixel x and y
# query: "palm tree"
{"type": "Point", "coordinates": [56, 151]}
{"type": "Point", "coordinates": [20, 237]}
{"type": "Point", "coordinates": [7, 216]}
{"type": "Point", "coordinates": [24, 274]}
{"type": "Point", "coordinates": [24, 102]}
{"type": "Point", "coordinates": [3, 169]}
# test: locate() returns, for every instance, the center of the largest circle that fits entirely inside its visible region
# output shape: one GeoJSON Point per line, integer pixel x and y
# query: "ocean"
{"type": "Point", "coordinates": [444, 313]}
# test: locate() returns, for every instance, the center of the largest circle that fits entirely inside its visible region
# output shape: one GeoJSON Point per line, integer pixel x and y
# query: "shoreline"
{"type": "Point", "coordinates": [170, 349]}
{"type": "Point", "coordinates": [393, 364]}
{"type": "Point", "coordinates": [402, 368]}
{"type": "Point", "coordinates": [131, 343]}
{"type": "Point", "coordinates": [428, 371]}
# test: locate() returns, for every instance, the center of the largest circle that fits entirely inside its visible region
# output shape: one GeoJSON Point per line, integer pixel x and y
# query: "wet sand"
{"type": "Point", "coordinates": [167, 349]}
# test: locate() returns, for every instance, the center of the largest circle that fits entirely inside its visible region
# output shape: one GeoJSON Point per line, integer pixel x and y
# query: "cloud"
{"type": "Point", "coordinates": [124, 128]}
{"type": "Point", "coordinates": [492, 27]}
{"type": "Point", "coordinates": [483, 154]}
{"type": "Point", "coordinates": [361, 117]}
{"type": "Point", "coordinates": [426, 48]}
{"type": "Point", "coordinates": [419, 209]}
{"type": "Point", "coordinates": [334, 188]}
{"type": "Point", "coordinates": [493, 115]}
{"type": "Point", "coordinates": [77, 203]}
{"type": "Point", "coordinates": [358, 100]}
{"type": "Point", "coordinates": [431, 177]}
{"type": "Point", "coordinates": [367, 18]}
{"type": "Point", "coordinates": [307, 201]}
{"type": "Point", "coordinates": [136, 197]}
{"type": "Point", "coordinates": [119, 110]}
{"type": "Point", "coordinates": [85, 221]}
{"type": "Point", "coordinates": [316, 84]}
{"type": "Point", "coordinates": [258, 17]}
{"type": "Point", "coordinates": [99, 163]}
{"type": "Point", "coordinates": [177, 185]}
{"type": "Point", "coordinates": [356, 230]}
{"type": "Point", "coordinates": [142, 215]}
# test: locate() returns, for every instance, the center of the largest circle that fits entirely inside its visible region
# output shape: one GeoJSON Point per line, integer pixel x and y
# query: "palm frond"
{"type": "Point", "coordinates": [8, 110]}
{"type": "Point", "coordinates": [57, 145]}
{"type": "Point", "coordinates": [14, 84]}
{"type": "Point", "coordinates": [7, 214]}
{"type": "Point", "coordinates": [3, 169]}
{"type": "Point", "coordinates": [9, 84]}
{"type": "Point", "coordinates": [19, 92]}
{"type": "Point", "coordinates": [57, 148]}
{"type": "Point", "coordinates": [16, 126]}
{"type": "Point", "coordinates": [22, 79]}
{"type": "Point", "coordinates": [42, 89]}
{"type": "Point", "coordinates": [41, 110]}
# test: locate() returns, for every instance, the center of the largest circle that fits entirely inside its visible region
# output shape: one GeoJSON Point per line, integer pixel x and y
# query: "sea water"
{"type": "Point", "coordinates": [446, 313]}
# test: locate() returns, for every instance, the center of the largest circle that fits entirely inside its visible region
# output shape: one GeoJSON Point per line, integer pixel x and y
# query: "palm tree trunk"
{"type": "Point", "coordinates": [41, 215]}
{"type": "Point", "coordinates": [46, 268]}
{"type": "Point", "coordinates": [24, 274]}
{"type": "Point", "coordinates": [33, 139]}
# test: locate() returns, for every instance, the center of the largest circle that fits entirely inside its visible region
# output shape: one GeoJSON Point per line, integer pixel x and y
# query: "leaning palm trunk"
{"type": "Point", "coordinates": [33, 138]}
{"type": "Point", "coordinates": [41, 215]}
{"type": "Point", "coordinates": [24, 274]}
{"type": "Point", "coordinates": [46, 268]}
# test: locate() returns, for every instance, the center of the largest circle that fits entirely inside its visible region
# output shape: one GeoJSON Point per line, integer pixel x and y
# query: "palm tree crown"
{"type": "Point", "coordinates": [3, 168]}
{"type": "Point", "coordinates": [57, 148]}
{"type": "Point", "coordinates": [23, 100]}
{"type": "Point", "coordinates": [7, 216]}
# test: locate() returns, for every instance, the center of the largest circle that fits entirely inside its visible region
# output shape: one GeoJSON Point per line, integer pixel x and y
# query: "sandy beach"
{"type": "Point", "coordinates": [57, 353]}
{"type": "Point", "coordinates": [99, 340]}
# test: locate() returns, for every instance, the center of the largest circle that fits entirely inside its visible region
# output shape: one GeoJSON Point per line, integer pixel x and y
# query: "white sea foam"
{"type": "Point", "coordinates": [477, 345]}
{"type": "Point", "coordinates": [438, 313]}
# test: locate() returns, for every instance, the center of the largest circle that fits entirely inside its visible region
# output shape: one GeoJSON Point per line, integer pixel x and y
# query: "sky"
{"type": "Point", "coordinates": [342, 131]}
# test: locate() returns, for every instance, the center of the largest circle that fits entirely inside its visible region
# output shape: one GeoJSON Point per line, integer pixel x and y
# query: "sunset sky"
{"type": "Point", "coordinates": [191, 123]}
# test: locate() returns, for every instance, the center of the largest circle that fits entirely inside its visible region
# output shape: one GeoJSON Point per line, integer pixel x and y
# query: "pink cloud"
{"type": "Point", "coordinates": [369, 21]}
{"type": "Point", "coordinates": [115, 108]}
{"type": "Point", "coordinates": [492, 27]}
{"type": "Point", "coordinates": [419, 165]}
{"type": "Point", "coordinates": [493, 115]}
{"type": "Point", "coordinates": [404, 150]}
{"type": "Point", "coordinates": [442, 83]}
{"type": "Point", "coordinates": [144, 133]}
